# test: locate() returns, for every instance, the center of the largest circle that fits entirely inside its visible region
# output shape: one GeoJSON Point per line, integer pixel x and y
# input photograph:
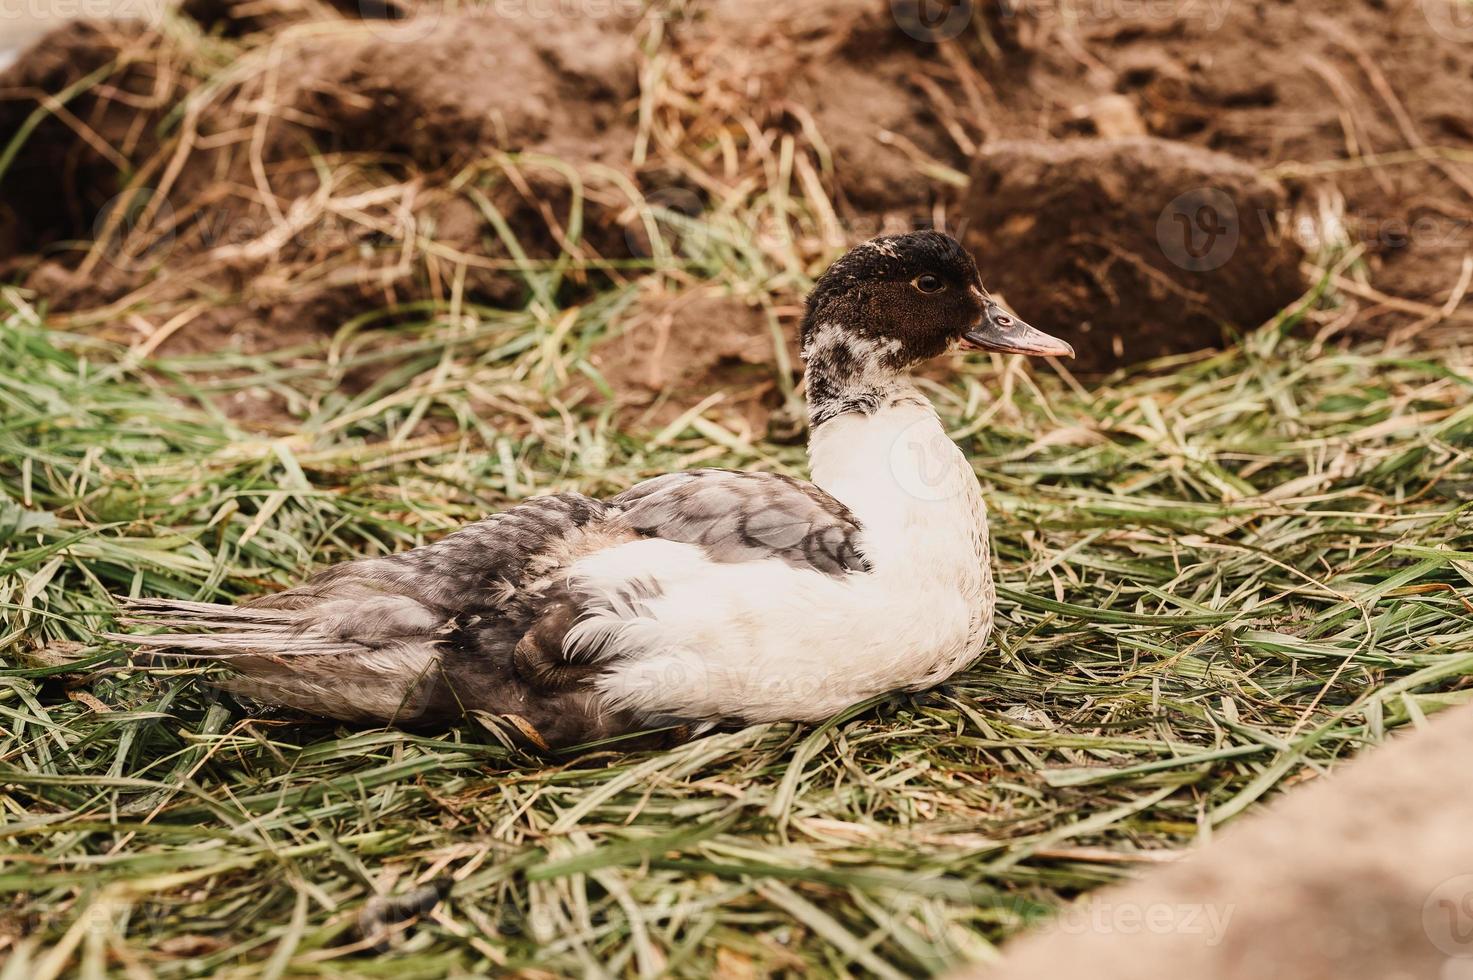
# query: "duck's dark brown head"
{"type": "Point", "coordinates": [894, 302]}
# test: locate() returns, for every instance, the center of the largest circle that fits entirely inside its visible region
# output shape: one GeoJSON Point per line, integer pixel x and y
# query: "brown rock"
{"type": "Point", "coordinates": [1131, 248]}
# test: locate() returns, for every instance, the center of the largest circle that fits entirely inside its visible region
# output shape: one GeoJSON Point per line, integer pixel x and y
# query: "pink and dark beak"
{"type": "Point", "coordinates": [1000, 331]}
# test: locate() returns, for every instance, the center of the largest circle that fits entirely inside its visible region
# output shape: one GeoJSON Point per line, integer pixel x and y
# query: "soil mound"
{"type": "Point", "coordinates": [458, 86]}
{"type": "Point", "coordinates": [1363, 111]}
{"type": "Point", "coordinates": [891, 114]}
{"type": "Point", "coordinates": [668, 352]}
{"type": "Point", "coordinates": [345, 167]}
{"type": "Point", "coordinates": [1131, 248]}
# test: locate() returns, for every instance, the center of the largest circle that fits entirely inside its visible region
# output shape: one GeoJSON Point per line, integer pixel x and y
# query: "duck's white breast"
{"type": "Point", "coordinates": [761, 640]}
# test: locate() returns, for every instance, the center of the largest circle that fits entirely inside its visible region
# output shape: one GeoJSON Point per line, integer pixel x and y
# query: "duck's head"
{"type": "Point", "coordinates": [892, 303]}
{"type": "Point", "coordinates": [898, 300]}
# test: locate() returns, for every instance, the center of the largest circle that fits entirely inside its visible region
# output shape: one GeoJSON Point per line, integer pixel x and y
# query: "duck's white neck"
{"type": "Point", "coordinates": [910, 486]}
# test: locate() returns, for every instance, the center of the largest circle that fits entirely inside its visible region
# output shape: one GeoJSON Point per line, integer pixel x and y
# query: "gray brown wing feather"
{"type": "Point", "coordinates": [737, 516]}
{"type": "Point", "coordinates": [479, 569]}
{"type": "Point", "coordinates": [370, 639]}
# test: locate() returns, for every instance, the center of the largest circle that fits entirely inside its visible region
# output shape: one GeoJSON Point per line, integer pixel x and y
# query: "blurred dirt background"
{"type": "Point", "coordinates": [1146, 179]}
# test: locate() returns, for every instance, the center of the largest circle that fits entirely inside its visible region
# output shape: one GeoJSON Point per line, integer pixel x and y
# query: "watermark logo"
{"type": "Point", "coordinates": [1157, 918]}
{"type": "Point", "coordinates": [925, 462]}
{"type": "Point", "coordinates": [401, 21]}
{"type": "Point", "coordinates": [135, 230]}
{"type": "Point", "coordinates": [1452, 19]}
{"type": "Point", "coordinates": [932, 20]}
{"type": "Point", "coordinates": [1447, 916]}
{"type": "Point", "coordinates": [34, 13]}
{"type": "Point", "coordinates": [1198, 231]}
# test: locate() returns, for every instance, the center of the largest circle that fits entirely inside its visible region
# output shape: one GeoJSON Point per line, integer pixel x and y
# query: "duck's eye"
{"type": "Point", "coordinates": [928, 283]}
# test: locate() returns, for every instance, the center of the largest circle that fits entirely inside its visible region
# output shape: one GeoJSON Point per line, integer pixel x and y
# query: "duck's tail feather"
{"type": "Point", "coordinates": [302, 658]}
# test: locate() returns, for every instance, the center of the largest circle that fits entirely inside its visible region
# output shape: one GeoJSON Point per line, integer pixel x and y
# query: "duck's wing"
{"type": "Point", "coordinates": [737, 516]}
{"type": "Point", "coordinates": [417, 637]}
{"type": "Point", "coordinates": [478, 570]}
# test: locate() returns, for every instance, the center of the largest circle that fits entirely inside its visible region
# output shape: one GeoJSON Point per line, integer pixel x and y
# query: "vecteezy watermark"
{"type": "Point", "coordinates": [1155, 918]}
{"type": "Point", "coordinates": [135, 230]}
{"type": "Point", "coordinates": [56, 11]}
{"type": "Point", "coordinates": [1427, 231]}
{"type": "Point", "coordinates": [1453, 19]}
{"type": "Point", "coordinates": [1198, 231]}
{"type": "Point", "coordinates": [932, 20]}
{"type": "Point", "coordinates": [1447, 916]}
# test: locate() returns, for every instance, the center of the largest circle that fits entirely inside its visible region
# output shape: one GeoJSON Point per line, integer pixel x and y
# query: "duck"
{"type": "Point", "coordinates": [695, 599]}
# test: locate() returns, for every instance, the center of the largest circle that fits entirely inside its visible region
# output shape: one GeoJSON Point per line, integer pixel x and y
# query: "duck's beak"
{"type": "Point", "coordinates": [999, 330]}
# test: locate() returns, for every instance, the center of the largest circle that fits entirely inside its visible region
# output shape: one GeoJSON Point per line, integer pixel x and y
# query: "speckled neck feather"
{"type": "Point", "coordinates": [850, 373]}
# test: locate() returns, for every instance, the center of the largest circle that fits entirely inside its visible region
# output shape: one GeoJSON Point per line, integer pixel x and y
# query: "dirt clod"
{"type": "Point", "coordinates": [344, 168]}
{"type": "Point", "coordinates": [669, 352]}
{"type": "Point", "coordinates": [1132, 248]}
